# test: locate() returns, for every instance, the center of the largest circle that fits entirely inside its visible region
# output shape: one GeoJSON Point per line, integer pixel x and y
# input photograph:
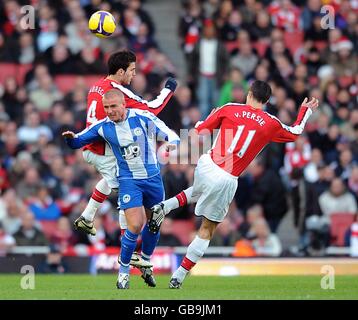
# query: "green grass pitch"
{"type": "Point", "coordinates": [102, 287]}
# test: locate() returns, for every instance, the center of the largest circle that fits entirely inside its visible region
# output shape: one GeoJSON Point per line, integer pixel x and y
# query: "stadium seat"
{"type": "Point", "coordinates": [340, 222]}
{"type": "Point", "coordinates": [320, 45]}
{"type": "Point", "coordinates": [22, 70]}
{"type": "Point", "coordinates": [48, 227]}
{"type": "Point", "coordinates": [66, 83]}
{"type": "Point", "coordinates": [260, 47]}
{"type": "Point", "coordinates": [293, 40]}
{"type": "Point", "coordinates": [7, 70]}
{"type": "Point", "coordinates": [183, 230]}
{"type": "Point", "coordinates": [14, 70]}
{"type": "Point", "coordinates": [231, 45]}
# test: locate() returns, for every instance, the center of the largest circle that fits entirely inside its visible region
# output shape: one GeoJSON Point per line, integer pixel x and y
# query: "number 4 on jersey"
{"type": "Point", "coordinates": [246, 143]}
{"type": "Point", "coordinates": [91, 113]}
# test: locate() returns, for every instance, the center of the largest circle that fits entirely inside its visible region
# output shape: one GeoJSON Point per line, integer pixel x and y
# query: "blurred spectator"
{"type": "Point", "coordinates": [190, 24]}
{"type": "Point", "coordinates": [268, 190]}
{"type": "Point", "coordinates": [167, 238]}
{"type": "Point", "coordinates": [353, 182]}
{"type": "Point", "coordinates": [45, 95]}
{"type": "Point", "coordinates": [54, 262]}
{"type": "Point", "coordinates": [63, 237]}
{"type": "Point", "coordinates": [27, 48]}
{"type": "Point", "coordinates": [337, 199]}
{"type": "Point", "coordinates": [29, 234]}
{"type": "Point", "coordinates": [89, 63]}
{"type": "Point", "coordinates": [253, 213]}
{"type": "Point", "coordinates": [208, 66]}
{"type": "Point", "coordinates": [7, 241]}
{"type": "Point", "coordinates": [343, 168]}
{"type": "Point", "coordinates": [285, 14]}
{"type": "Point", "coordinates": [225, 234]}
{"type": "Point", "coordinates": [175, 180]}
{"type": "Point", "coordinates": [297, 156]}
{"type": "Point", "coordinates": [43, 206]}
{"type": "Point", "coordinates": [265, 243]}
{"type": "Point", "coordinates": [236, 79]}
{"type": "Point", "coordinates": [245, 60]}
{"type": "Point", "coordinates": [231, 27]}
{"type": "Point", "coordinates": [31, 131]}
{"type": "Point", "coordinates": [261, 29]}
{"type": "Point", "coordinates": [11, 209]}
{"type": "Point", "coordinates": [316, 236]}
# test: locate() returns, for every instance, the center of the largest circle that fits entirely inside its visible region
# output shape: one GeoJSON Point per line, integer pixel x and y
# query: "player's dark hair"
{"type": "Point", "coordinates": [261, 91]}
{"type": "Point", "coordinates": [120, 60]}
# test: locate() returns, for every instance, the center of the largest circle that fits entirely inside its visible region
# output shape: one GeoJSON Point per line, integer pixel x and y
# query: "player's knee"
{"type": "Point", "coordinates": [134, 228]}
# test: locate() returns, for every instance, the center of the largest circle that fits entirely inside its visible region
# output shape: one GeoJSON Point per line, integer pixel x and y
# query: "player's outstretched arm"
{"type": "Point", "coordinates": [79, 140]}
{"type": "Point", "coordinates": [290, 133]}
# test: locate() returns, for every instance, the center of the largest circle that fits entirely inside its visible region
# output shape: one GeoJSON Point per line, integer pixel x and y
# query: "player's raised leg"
{"type": "Point", "coordinates": [195, 251]}
{"type": "Point", "coordinates": [99, 195]}
{"type": "Point", "coordinates": [160, 210]}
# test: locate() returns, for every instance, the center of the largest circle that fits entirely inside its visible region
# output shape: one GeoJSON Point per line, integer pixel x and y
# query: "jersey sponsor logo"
{"type": "Point", "coordinates": [126, 198]}
{"type": "Point", "coordinates": [131, 151]}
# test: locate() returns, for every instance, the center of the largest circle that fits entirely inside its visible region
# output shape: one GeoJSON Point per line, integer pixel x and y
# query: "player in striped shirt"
{"type": "Point", "coordinates": [131, 134]}
{"type": "Point", "coordinates": [244, 130]}
{"type": "Point", "coordinates": [121, 70]}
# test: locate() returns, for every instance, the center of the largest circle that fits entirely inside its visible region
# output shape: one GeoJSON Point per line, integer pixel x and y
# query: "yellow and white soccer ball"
{"type": "Point", "coordinates": [102, 24]}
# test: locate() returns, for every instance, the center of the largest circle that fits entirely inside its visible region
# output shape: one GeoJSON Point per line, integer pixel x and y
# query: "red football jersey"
{"type": "Point", "coordinates": [95, 110]}
{"type": "Point", "coordinates": [244, 131]}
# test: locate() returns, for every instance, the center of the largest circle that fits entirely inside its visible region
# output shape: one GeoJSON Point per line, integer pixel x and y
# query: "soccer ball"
{"type": "Point", "coordinates": [102, 24]}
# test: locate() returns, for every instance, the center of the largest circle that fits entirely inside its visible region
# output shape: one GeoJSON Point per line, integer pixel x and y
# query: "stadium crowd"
{"type": "Point", "coordinates": [227, 44]}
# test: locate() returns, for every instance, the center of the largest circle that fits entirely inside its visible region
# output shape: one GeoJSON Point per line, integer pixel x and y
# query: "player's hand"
{"type": "Point", "coordinates": [68, 134]}
{"type": "Point", "coordinates": [171, 84]}
{"type": "Point", "coordinates": [312, 104]}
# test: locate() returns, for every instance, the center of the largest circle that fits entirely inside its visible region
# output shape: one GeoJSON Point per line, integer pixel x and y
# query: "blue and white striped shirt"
{"type": "Point", "coordinates": [133, 142]}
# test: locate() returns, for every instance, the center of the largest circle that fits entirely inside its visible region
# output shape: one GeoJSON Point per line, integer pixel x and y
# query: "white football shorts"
{"type": "Point", "coordinates": [105, 165]}
{"type": "Point", "coordinates": [215, 189]}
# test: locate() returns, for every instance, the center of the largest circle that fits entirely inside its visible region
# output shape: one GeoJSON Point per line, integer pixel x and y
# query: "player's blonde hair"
{"type": "Point", "coordinates": [113, 93]}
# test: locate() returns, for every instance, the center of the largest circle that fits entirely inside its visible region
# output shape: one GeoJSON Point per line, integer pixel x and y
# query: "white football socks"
{"type": "Point", "coordinates": [173, 203]}
{"type": "Point", "coordinates": [93, 205]}
{"type": "Point", "coordinates": [122, 220]}
{"type": "Point", "coordinates": [195, 251]}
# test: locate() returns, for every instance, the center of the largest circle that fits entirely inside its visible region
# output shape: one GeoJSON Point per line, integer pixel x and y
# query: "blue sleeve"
{"type": "Point", "coordinates": [85, 137]}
